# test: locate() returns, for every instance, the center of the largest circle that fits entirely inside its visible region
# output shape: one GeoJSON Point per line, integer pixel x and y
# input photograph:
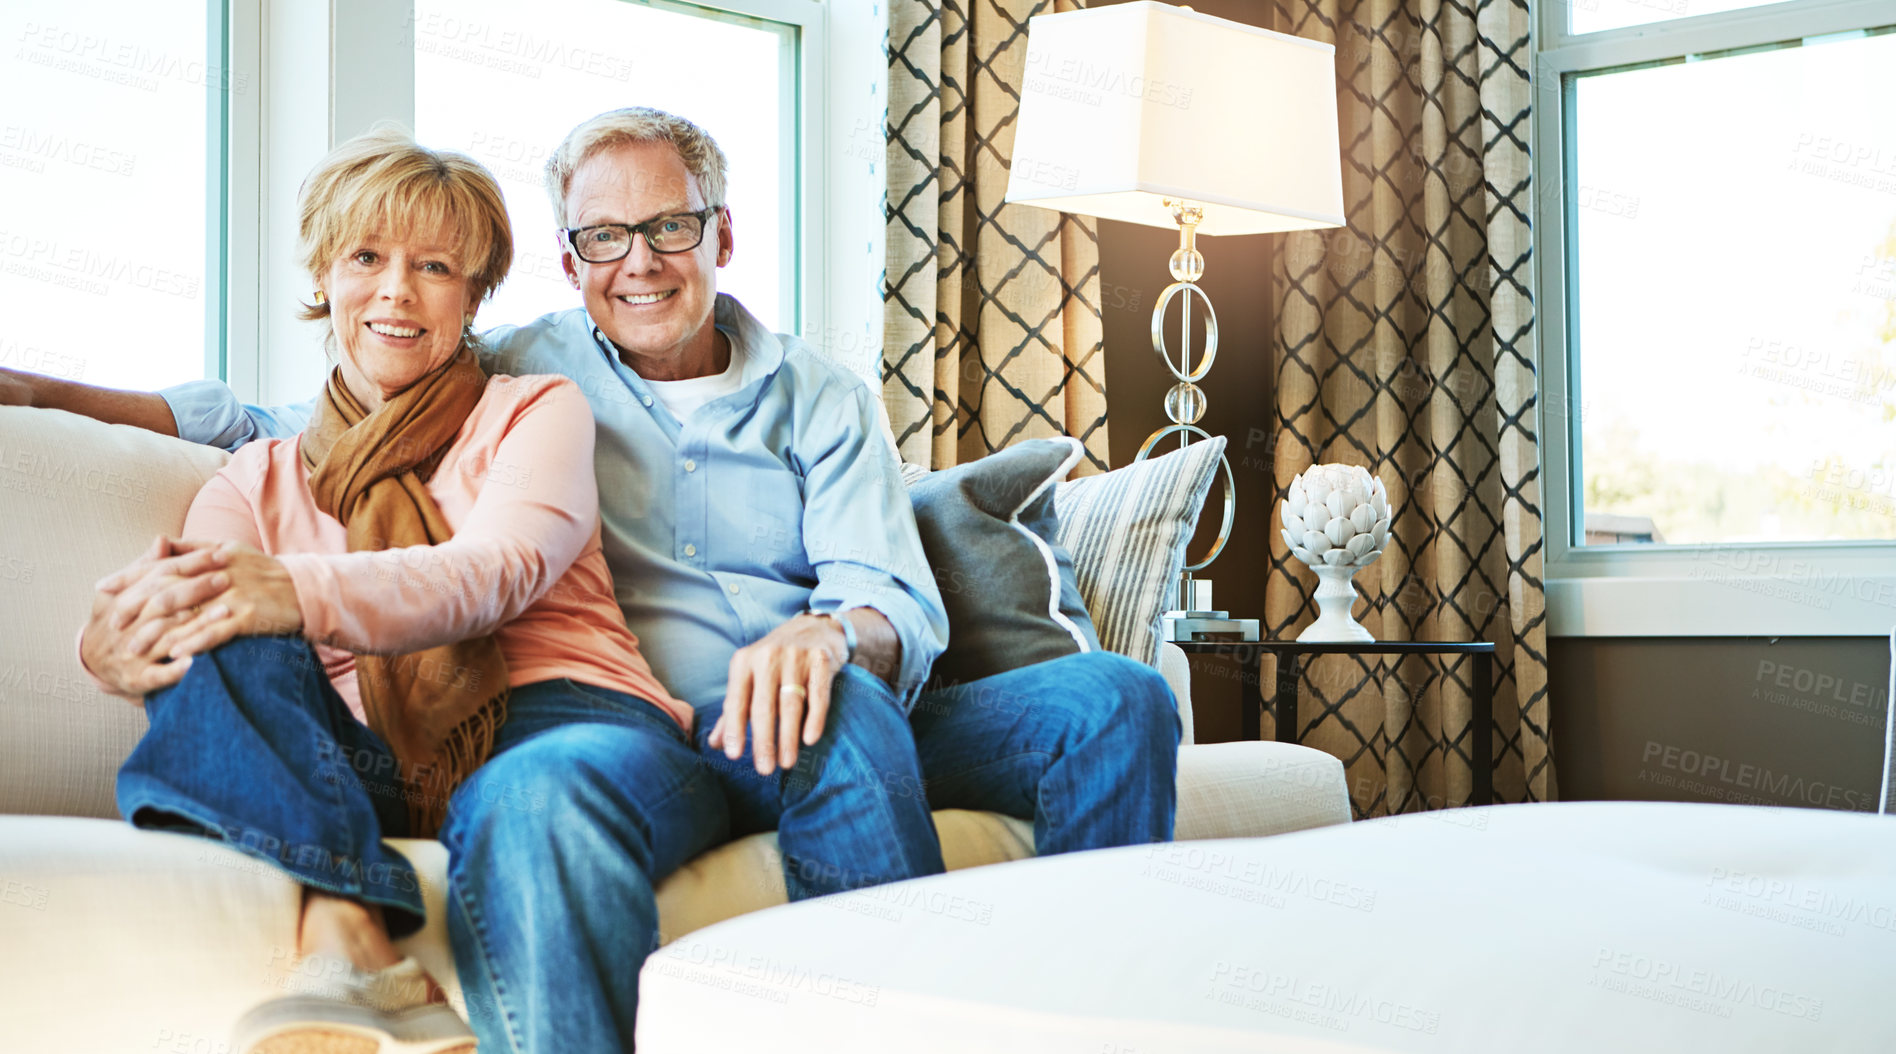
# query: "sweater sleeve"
{"type": "Point", "coordinates": [222, 513]}
{"type": "Point", "coordinates": [537, 510]}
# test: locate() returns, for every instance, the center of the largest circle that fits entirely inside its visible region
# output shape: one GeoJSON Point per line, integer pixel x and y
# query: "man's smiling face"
{"type": "Point", "coordinates": [655, 306]}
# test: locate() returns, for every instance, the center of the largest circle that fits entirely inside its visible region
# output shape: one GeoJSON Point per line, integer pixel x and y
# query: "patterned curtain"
{"type": "Point", "coordinates": [1405, 345]}
{"type": "Point", "coordinates": [992, 326]}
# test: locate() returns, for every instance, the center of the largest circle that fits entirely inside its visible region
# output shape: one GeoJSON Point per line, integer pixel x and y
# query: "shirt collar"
{"type": "Point", "coordinates": [763, 350]}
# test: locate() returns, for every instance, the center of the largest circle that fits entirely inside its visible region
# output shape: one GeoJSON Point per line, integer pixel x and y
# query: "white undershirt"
{"type": "Point", "coordinates": [684, 397]}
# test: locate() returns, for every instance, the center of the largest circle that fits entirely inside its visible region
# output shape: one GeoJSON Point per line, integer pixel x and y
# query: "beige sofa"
{"type": "Point", "coordinates": [122, 940]}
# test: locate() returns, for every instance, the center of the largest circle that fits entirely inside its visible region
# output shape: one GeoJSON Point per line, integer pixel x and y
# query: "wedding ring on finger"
{"type": "Point", "coordinates": [793, 689]}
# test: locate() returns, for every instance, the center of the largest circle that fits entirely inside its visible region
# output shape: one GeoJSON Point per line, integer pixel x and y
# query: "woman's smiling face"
{"type": "Point", "coordinates": [398, 304]}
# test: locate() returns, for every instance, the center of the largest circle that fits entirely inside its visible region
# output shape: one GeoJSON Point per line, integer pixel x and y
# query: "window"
{"type": "Point", "coordinates": [503, 81]}
{"type": "Point", "coordinates": [1718, 306]}
{"type": "Point", "coordinates": [111, 168]}
{"type": "Point", "coordinates": [1736, 344]}
{"type": "Point", "coordinates": [1718, 315]}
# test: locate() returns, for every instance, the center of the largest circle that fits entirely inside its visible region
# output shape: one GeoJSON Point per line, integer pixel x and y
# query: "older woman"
{"type": "Point", "coordinates": [416, 634]}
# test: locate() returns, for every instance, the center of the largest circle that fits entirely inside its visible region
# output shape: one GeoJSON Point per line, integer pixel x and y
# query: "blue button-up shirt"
{"type": "Point", "coordinates": [781, 496]}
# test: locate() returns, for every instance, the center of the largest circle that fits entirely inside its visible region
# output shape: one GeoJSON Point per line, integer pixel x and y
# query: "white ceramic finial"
{"type": "Point", "coordinates": [1335, 518]}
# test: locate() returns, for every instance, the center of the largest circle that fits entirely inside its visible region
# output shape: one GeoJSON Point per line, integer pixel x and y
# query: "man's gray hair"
{"type": "Point", "coordinates": [635, 124]}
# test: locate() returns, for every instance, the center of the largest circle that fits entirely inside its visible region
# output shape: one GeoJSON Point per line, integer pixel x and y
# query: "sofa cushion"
{"type": "Point", "coordinates": [78, 500]}
{"type": "Point", "coordinates": [1232, 790]}
{"type": "Point", "coordinates": [1127, 530]}
{"type": "Point", "coordinates": [747, 875]}
{"type": "Point", "coordinates": [987, 527]}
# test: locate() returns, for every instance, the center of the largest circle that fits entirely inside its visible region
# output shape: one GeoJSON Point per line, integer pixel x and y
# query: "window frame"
{"type": "Point", "coordinates": [275, 132]}
{"type": "Point", "coordinates": [1629, 590]}
{"type": "Point", "coordinates": [324, 72]}
{"type": "Point", "coordinates": [218, 106]}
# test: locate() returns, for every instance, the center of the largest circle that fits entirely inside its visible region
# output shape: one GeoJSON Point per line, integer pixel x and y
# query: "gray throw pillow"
{"type": "Point", "coordinates": [988, 528]}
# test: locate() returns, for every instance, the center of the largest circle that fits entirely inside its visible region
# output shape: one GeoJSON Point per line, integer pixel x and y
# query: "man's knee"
{"type": "Point", "coordinates": [866, 742]}
{"type": "Point", "coordinates": [864, 712]}
{"type": "Point", "coordinates": [1127, 692]}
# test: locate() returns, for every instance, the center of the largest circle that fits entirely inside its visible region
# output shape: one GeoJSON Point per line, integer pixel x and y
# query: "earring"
{"type": "Point", "coordinates": [320, 298]}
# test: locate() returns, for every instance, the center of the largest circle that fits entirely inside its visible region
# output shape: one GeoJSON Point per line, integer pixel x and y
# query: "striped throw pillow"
{"type": "Point", "coordinates": [1127, 531]}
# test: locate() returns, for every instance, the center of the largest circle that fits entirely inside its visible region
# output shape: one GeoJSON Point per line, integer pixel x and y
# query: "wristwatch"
{"type": "Point", "coordinates": [848, 628]}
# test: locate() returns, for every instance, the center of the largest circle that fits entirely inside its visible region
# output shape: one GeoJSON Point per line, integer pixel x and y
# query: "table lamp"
{"type": "Point", "coordinates": [1162, 116]}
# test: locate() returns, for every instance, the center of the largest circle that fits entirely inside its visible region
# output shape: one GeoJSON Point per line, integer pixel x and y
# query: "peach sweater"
{"type": "Point", "coordinates": [524, 564]}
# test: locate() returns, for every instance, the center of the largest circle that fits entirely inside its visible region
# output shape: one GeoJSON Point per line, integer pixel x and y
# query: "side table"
{"type": "Point", "coordinates": [1283, 698]}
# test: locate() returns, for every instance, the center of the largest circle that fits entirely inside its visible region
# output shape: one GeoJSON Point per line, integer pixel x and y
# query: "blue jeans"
{"type": "Point", "coordinates": [852, 812]}
{"type": "Point", "coordinates": [254, 748]}
{"type": "Point", "coordinates": [1086, 746]}
{"type": "Point", "coordinates": [588, 801]}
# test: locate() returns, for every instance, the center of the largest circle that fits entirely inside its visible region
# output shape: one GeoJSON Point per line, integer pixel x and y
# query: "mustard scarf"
{"type": "Point", "coordinates": [437, 709]}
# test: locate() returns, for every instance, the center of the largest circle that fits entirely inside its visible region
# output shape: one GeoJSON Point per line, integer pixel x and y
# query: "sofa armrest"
{"type": "Point", "coordinates": [1178, 673]}
{"type": "Point", "coordinates": [1246, 790]}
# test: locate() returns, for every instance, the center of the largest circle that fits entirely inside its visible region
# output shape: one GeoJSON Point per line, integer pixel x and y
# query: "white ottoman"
{"type": "Point", "coordinates": [1583, 927]}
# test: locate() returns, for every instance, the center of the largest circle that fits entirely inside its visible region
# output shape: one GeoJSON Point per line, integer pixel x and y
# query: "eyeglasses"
{"type": "Point", "coordinates": [605, 242]}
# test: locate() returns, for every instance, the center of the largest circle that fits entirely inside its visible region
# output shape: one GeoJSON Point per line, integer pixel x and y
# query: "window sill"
{"type": "Point", "coordinates": [1714, 601]}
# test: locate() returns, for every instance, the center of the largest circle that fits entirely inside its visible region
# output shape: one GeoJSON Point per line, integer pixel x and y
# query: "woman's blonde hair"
{"type": "Point", "coordinates": [636, 124]}
{"type": "Point", "coordinates": [384, 182]}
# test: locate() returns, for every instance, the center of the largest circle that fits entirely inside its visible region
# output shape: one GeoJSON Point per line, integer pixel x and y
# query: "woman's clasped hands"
{"type": "Point", "coordinates": [179, 598]}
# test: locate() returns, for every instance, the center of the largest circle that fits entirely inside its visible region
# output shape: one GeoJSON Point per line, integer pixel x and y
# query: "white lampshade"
{"type": "Point", "coordinates": [1126, 105]}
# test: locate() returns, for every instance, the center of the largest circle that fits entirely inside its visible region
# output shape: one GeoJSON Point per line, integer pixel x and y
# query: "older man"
{"type": "Point", "coordinates": [765, 554]}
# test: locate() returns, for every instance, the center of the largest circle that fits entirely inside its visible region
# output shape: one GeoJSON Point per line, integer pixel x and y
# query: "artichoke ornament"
{"type": "Point", "coordinates": [1335, 519]}
{"type": "Point", "coordinates": [1336, 516]}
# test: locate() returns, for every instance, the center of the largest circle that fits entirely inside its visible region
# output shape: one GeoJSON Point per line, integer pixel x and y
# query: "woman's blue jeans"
{"type": "Point", "coordinates": [589, 799]}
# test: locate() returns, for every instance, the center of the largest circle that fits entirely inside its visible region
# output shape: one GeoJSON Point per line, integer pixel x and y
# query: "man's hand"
{"type": "Point", "coordinates": [778, 686]}
{"type": "Point", "coordinates": [134, 607]}
{"type": "Point", "coordinates": [260, 601]}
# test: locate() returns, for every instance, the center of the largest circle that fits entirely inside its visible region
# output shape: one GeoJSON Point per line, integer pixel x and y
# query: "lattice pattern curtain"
{"type": "Point", "coordinates": [1404, 345]}
{"type": "Point", "coordinates": [992, 326]}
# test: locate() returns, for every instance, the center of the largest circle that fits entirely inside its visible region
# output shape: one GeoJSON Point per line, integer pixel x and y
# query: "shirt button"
{"type": "Point", "coordinates": [647, 400]}
{"type": "Point", "coordinates": [690, 465]}
{"type": "Point", "coordinates": [733, 588]}
{"type": "Point", "coordinates": [691, 550]}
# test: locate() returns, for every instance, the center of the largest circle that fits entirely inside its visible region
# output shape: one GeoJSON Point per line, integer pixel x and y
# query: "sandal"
{"type": "Point", "coordinates": [397, 1010]}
